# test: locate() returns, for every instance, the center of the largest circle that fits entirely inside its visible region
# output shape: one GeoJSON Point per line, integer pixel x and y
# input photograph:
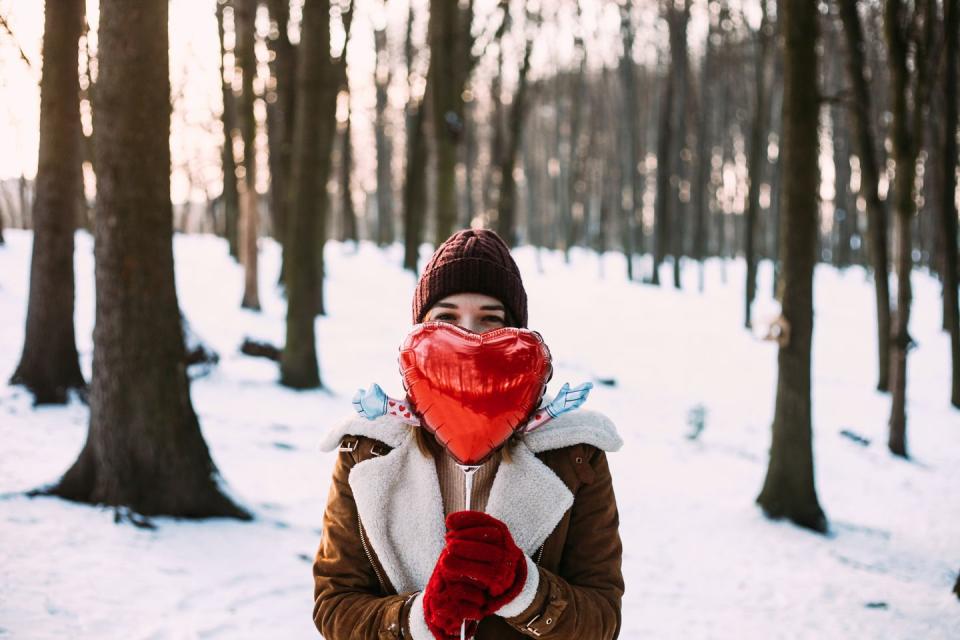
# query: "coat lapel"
{"type": "Point", "coordinates": [399, 504]}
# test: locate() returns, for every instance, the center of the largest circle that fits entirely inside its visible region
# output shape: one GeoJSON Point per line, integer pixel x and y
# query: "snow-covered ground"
{"type": "Point", "coordinates": [700, 559]}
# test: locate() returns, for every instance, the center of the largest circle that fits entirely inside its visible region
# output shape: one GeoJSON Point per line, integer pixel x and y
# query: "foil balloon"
{"type": "Point", "coordinates": [473, 390]}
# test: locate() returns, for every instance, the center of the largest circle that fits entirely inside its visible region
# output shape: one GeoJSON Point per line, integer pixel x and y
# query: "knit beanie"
{"type": "Point", "coordinates": [472, 261]}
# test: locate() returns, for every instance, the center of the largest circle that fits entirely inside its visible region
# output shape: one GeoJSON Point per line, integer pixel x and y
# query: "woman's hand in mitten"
{"type": "Point", "coordinates": [480, 547]}
{"type": "Point", "coordinates": [447, 603]}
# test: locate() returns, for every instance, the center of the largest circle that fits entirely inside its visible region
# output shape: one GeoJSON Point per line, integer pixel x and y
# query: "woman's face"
{"type": "Point", "coordinates": [472, 311]}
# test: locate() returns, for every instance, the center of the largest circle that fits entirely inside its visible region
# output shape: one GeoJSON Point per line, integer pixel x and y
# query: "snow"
{"type": "Point", "coordinates": [700, 559]}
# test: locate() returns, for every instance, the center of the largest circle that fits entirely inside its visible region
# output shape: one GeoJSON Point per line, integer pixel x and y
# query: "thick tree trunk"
{"type": "Point", "coordinates": [948, 203]}
{"type": "Point", "coordinates": [789, 490]}
{"type": "Point", "coordinates": [864, 146]}
{"type": "Point", "coordinates": [309, 169]}
{"type": "Point", "coordinates": [449, 52]}
{"type": "Point", "coordinates": [757, 158]}
{"type": "Point", "coordinates": [700, 204]}
{"type": "Point", "coordinates": [630, 138]}
{"type": "Point", "coordinates": [280, 113]}
{"type": "Point", "coordinates": [49, 365]}
{"type": "Point", "coordinates": [245, 12]}
{"type": "Point", "coordinates": [909, 99]}
{"type": "Point", "coordinates": [382, 75]}
{"type": "Point", "coordinates": [144, 449]}
{"type": "Point", "coordinates": [415, 173]}
{"type": "Point", "coordinates": [229, 195]}
{"type": "Point", "coordinates": [680, 76]}
{"type": "Point", "coordinates": [506, 204]}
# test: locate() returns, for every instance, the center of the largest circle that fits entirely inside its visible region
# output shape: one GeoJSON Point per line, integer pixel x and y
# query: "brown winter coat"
{"type": "Point", "coordinates": [581, 584]}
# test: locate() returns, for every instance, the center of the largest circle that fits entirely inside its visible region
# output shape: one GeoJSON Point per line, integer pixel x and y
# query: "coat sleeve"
{"type": "Point", "coordinates": [583, 599]}
{"type": "Point", "coordinates": [350, 599]}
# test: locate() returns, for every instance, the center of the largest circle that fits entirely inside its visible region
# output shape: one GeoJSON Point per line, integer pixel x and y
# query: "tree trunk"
{"type": "Point", "coordinates": [701, 180]}
{"type": "Point", "coordinates": [280, 114]}
{"type": "Point", "coordinates": [789, 490]}
{"type": "Point", "coordinates": [415, 173]}
{"type": "Point", "coordinates": [506, 204]}
{"type": "Point", "coordinates": [906, 134]}
{"type": "Point", "coordinates": [144, 449]}
{"type": "Point", "coordinates": [348, 228]}
{"type": "Point", "coordinates": [757, 158]}
{"type": "Point", "coordinates": [864, 145]}
{"type": "Point", "coordinates": [231, 199]}
{"type": "Point", "coordinates": [382, 75]}
{"type": "Point", "coordinates": [309, 169]}
{"type": "Point", "coordinates": [245, 13]}
{"type": "Point", "coordinates": [630, 137]}
{"type": "Point", "coordinates": [49, 365]}
{"type": "Point", "coordinates": [679, 75]}
{"type": "Point", "coordinates": [449, 51]}
{"type": "Point", "coordinates": [948, 203]}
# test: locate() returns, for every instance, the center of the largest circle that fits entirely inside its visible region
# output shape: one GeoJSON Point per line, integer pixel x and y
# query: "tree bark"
{"type": "Point", "coordinates": [506, 203]}
{"type": "Point", "coordinates": [382, 75]}
{"type": "Point", "coordinates": [630, 139]}
{"type": "Point", "coordinates": [865, 145]}
{"type": "Point", "coordinates": [757, 158]}
{"type": "Point", "coordinates": [948, 203]}
{"type": "Point", "coordinates": [348, 213]}
{"type": "Point", "coordinates": [789, 490]}
{"type": "Point", "coordinates": [245, 12]}
{"type": "Point", "coordinates": [415, 174]}
{"type": "Point", "coordinates": [144, 449]}
{"type": "Point", "coordinates": [449, 55]}
{"type": "Point", "coordinates": [280, 107]}
{"type": "Point", "coordinates": [908, 89]}
{"type": "Point", "coordinates": [229, 195]}
{"type": "Point", "coordinates": [701, 180]}
{"type": "Point", "coordinates": [315, 123]}
{"type": "Point", "coordinates": [49, 365]}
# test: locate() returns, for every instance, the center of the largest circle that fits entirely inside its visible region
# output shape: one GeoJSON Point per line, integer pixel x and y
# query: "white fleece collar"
{"type": "Point", "coordinates": [398, 494]}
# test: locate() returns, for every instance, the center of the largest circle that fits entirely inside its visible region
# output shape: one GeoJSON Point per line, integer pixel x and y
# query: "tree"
{"type": "Point", "coordinates": [757, 159]}
{"type": "Point", "coordinates": [415, 174]}
{"type": "Point", "coordinates": [450, 44]}
{"type": "Point", "coordinates": [245, 13]}
{"type": "Point", "coordinates": [864, 146]}
{"type": "Point", "coordinates": [629, 123]}
{"type": "Point", "coordinates": [506, 203]}
{"type": "Point", "coordinates": [49, 365]}
{"type": "Point", "coordinates": [910, 93]}
{"type": "Point", "coordinates": [144, 449]}
{"type": "Point", "coordinates": [315, 123]}
{"type": "Point", "coordinates": [280, 113]}
{"type": "Point", "coordinates": [948, 202]}
{"type": "Point", "coordinates": [789, 490]}
{"type": "Point", "coordinates": [382, 76]}
{"type": "Point", "coordinates": [229, 195]}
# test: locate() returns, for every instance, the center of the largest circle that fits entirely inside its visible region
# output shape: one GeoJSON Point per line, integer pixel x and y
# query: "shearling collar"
{"type": "Point", "coordinates": [398, 494]}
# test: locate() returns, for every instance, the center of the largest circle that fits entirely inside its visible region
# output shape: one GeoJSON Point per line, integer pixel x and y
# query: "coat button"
{"type": "Point", "coordinates": [579, 460]}
{"type": "Point", "coordinates": [549, 620]}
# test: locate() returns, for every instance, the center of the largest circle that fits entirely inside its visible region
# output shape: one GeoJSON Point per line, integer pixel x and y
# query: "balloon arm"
{"type": "Point", "coordinates": [567, 399]}
{"type": "Point", "coordinates": [374, 402]}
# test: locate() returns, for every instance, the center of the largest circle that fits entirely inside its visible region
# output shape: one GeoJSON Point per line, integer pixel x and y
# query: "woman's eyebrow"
{"type": "Point", "coordinates": [446, 305]}
{"type": "Point", "coordinates": [492, 307]}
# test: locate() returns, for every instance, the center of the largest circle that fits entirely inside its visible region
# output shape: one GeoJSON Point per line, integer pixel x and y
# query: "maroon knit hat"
{"type": "Point", "coordinates": [472, 261]}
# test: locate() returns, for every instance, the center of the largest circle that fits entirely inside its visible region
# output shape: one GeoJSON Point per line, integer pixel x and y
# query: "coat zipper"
{"type": "Point", "coordinates": [540, 554]}
{"type": "Point", "coordinates": [366, 550]}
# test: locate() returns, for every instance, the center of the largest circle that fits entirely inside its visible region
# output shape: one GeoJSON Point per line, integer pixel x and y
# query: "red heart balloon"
{"type": "Point", "coordinates": [473, 390]}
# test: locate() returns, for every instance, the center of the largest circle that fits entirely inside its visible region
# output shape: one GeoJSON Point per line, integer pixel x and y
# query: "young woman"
{"type": "Point", "coordinates": [540, 553]}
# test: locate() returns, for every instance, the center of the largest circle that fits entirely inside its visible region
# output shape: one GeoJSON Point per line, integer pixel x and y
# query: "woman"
{"type": "Point", "coordinates": [540, 554]}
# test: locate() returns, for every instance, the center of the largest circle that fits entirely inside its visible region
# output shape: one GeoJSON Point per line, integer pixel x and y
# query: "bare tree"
{"type": "Point", "coordinates": [450, 45]}
{"type": "Point", "coordinates": [864, 146]}
{"type": "Point", "coordinates": [629, 122]}
{"type": "Point", "coordinates": [245, 13]}
{"type": "Point", "coordinates": [280, 112]}
{"type": "Point", "coordinates": [49, 365]}
{"type": "Point", "coordinates": [383, 72]}
{"type": "Point", "coordinates": [315, 123]}
{"type": "Point", "coordinates": [757, 158]}
{"type": "Point", "coordinates": [144, 449]}
{"type": "Point", "coordinates": [230, 197]}
{"type": "Point", "coordinates": [415, 175]}
{"type": "Point", "coordinates": [948, 202]}
{"type": "Point", "coordinates": [908, 34]}
{"type": "Point", "coordinates": [789, 489]}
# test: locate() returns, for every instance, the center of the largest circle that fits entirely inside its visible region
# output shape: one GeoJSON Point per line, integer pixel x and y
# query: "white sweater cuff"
{"type": "Point", "coordinates": [525, 598]}
{"type": "Point", "coordinates": [418, 623]}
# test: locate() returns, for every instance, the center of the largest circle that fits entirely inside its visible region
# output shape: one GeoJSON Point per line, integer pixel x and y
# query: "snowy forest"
{"type": "Point", "coordinates": [736, 219]}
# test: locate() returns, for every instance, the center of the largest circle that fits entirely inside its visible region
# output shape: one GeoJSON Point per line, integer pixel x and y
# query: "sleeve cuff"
{"type": "Point", "coordinates": [525, 598]}
{"type": "Point", "coordinates": [417, 621]}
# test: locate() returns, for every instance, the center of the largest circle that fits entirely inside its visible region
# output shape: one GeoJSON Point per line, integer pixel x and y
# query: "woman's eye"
{"type": "Point", "coordinates": [444, 316]}
{"type": "Point", "coordinates": [493, 319]}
